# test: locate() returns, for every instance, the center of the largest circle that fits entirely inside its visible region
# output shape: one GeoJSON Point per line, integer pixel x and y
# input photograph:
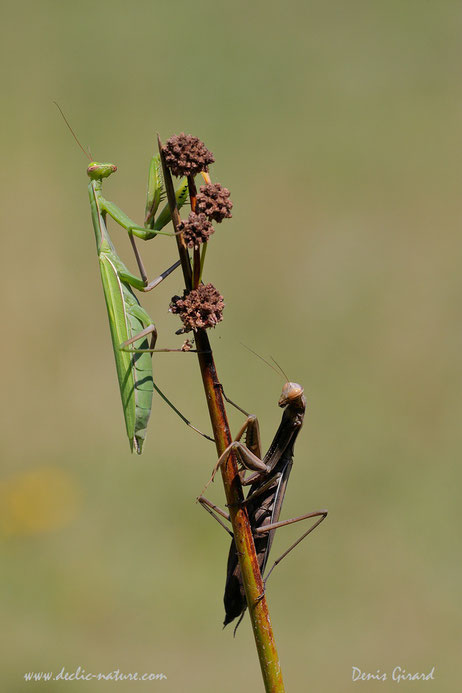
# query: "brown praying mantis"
{"type": "Point", "coordinates": [268, 485]}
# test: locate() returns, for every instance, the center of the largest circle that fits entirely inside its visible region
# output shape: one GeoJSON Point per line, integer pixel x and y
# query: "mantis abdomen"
{"type": "Point", "coordinates": [134, 370]}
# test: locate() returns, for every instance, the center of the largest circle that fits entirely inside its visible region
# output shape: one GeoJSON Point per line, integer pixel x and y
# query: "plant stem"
{"type": "Point", "coordinates": [243, 538]}
{"type": "Point", "coordinates": [196, 252]}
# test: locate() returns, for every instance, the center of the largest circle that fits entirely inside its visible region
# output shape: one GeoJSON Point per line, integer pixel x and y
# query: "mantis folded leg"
{"type": "Point", "coordinates": [100, 207]}
{"type": "Point", "coordinates": [97, 171]}
{"type": "Point", "coordinates": [248, 455]}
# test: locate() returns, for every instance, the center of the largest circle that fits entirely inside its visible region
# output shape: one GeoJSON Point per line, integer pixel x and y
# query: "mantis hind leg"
{"type": "Point", "coordinates": [150, 329]}
{"type": "Point", "coordinates": [320, 514]}
{"type": "Point", "coordinates": [125, 346]}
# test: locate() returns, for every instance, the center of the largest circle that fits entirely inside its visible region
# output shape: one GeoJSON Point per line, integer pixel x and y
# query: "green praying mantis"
{"type": "Point", "coordinates": [129, 323]}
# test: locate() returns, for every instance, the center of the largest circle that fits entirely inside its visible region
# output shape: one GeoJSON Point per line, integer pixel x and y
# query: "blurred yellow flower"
{"type": "Point", "coordinates": [41, 500]}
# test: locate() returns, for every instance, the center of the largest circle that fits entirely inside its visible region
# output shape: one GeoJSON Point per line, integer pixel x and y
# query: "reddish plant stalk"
{"type": "Point", "coordinates": [243, 537]}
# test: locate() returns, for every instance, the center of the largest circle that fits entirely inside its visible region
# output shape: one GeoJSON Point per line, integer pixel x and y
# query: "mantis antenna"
{"type": "Point", "coordinates": [279, 372]}
{"type": "Point", "coordinates": [72, 131]}
{"type": "Point", "coordinates": [283, 372]}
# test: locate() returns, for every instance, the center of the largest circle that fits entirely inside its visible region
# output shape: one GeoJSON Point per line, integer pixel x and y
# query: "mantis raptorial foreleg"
{"type": "Point", "coordinates": [249, 455]}
{"type": "Point", "coordinates": [119, 216]}
{"type": "Point", "coordinates": [153, 227]}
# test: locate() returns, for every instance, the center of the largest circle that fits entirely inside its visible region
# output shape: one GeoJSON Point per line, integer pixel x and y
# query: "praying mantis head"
{"type": "Point", "coordinates": [290, 393]}
{"type": "Point", "coordinates": [97, 171]}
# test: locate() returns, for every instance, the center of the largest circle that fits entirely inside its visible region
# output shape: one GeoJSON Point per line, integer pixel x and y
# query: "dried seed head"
{"type": "Point", "coordinates": [196, 229]}
{"type": "Point", "coordinates": [199, 308]}
{"type": "Point", "coordinates": [186, 155]}
{"type": "Point", "coordinates": [213, 200]}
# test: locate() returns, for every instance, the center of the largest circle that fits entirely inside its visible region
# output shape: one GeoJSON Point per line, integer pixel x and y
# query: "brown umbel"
{"type": "Point", "coordinates": [200, 308]}
{"type": "Point", "coordinates": [186, 155]}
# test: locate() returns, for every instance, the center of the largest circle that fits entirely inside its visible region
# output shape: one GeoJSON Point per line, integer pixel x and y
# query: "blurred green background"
{"type": "Point", "coordinates": [336, 126]}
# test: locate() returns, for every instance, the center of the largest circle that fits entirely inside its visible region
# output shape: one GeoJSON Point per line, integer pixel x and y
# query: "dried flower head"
{"type": "Point", "coordinates": [186, 155]}
{"type": "Point", "coordinates": [196, 229]}
{"type": "Point", "coordinates": [213, 200]}
{"type": "Point", "coordinates": [199, 308]}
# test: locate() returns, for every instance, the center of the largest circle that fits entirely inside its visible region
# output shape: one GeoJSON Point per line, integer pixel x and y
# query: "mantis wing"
{"type": "Point", "coordinates": [134, 370]}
